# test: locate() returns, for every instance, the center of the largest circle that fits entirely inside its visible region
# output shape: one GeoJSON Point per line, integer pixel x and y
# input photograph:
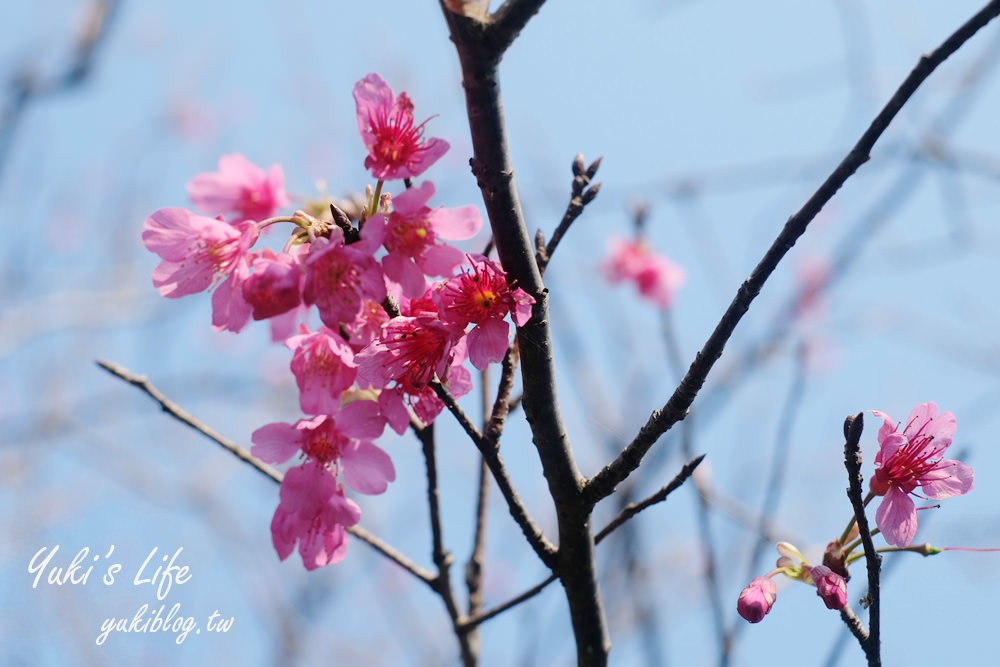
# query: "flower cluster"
{"type": "Point", "coordinates": [399, 309]}
{"type": "Point", "coordinates": [907, 461]}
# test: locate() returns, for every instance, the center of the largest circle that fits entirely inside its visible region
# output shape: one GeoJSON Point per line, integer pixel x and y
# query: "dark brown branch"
{"type": "Point", "coordinates": [852, 460]}
{"type": "Point", "coordinates": [509, 20]}
{"type": "Point", "coordinates": [676, 407]}
{"type": "Point", "coordinates": [181, 415]}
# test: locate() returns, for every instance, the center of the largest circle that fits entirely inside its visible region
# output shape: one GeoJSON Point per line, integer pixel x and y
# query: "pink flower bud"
{"type": "Point", "coordinates": [757, 599]}
{"type": "Point", "coordinates": [830, 586]}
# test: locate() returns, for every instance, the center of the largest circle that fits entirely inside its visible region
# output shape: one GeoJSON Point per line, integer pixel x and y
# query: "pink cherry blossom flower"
{"type": "Point", "coordinates": [275, 286]}
{"type": "Point", "coordinates": [335, 443]}
{"type": "Point", "coordinates": [323, 365]}
{"type": "Point", "coordinates": [395, 145]}
{"type": "Point", "coordinates": [656, 277]}
{"type": "Point", "coordinates": [830, 586]}
{"type": "Point", "coordinates": [241, 188]}
{"type": "Point", "coordinates": [340, 278]}
{"type": "Point", "coordinates": [412, 235]}
{"type": "Point", "coordinates": [757, 599]}
{"type": "Point", "coordinates": [482, 297]}
{"type": "Point", "coordinates": [912, 459]}
{"type": "Point", "coordinates": [410, 352]}
{"type": "Point", "coordinates": [312, 512]}
{"type": "Point", "coordinates": [195, 250]}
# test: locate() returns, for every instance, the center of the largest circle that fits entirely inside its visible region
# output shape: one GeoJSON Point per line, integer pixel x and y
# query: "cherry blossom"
{"type": "Point", "coordinates": [194, 249]}
{"type": "Point", "coordinates": [341, 278]}
{"type": "Point", "coordinates": [912, 459]}
{"type": "Point", "coordinates": [275, 286]}
{"type": "Point", "coordinates": [312, 512]}
{"type": "Point", "coordinates": [482, 297]}
{"type": "Point", "coordinates": [395, 145]}
{"type": "Point", "coordinates": [241, 188]}
{"type": "Point", "coordinates": [323, 365]}
{"type": "Point", "coordinates": [412, 236]}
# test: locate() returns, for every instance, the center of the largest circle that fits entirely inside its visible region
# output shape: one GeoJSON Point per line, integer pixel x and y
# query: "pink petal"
{"type": "Point", "coordinates": [361, 419]}
{"type": "Point", "coordinates": [367, 469]}
{"type": "Point", "coordinates": [275, 443]}
{"type": "Point", "coordinates": [897, 518]}
{"type": "Point", "coordinates": [488, 342]}
{"type": "Point", "coordinates": [949, 478]}
{"type": "Point", "coordinates": [456, 224]}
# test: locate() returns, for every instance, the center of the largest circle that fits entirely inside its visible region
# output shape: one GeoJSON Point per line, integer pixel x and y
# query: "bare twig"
{"type": "Point", "coordinates": [181, 415]}
{"type": "Point", "coordinates": [474, 565]}
{"type": "Point", "coordinates": [26, 86]}
{"type": "Point", "coordinates": [659, 496]}
{"type": "Point", "coordinates": [441, 557]}
{"type": "Point", "coordinates": [852, 460]}
{"type": "Point", "coordinates": [490, 450]}
{"type": "Point", "coordinates": [676, 407]}
{"type": "Point", "coordinates": [582, 193]}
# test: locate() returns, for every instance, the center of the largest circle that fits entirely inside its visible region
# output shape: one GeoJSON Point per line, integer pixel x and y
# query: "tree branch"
{"type": "Point", "coordinates": [181, 415]}
{"type": "Point", "coordinates": [873, 561]}
{"type": "Point", "coordinates": [676, 407]}
{"type": "Point", "coordinates": [480, 47]}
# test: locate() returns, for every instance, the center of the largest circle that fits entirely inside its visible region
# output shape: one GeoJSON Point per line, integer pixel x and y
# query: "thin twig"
{"type": "Point", "coordinates": [474, 565]}
{"type": "Point", "coordinates": [701, 506]}
{"type": "Point", "coordinates": [676, 407]}
{"type": "Point", "coordinates": [659, 496]}
{"type": "Point", "coordinates": [26, 87]}
{"type": "Point", "coordinates": [181, 415]}
{"type": "Point", "coordinates": [490, 451]}
{"type": "Point", "coordinates": [581, 194]}
{"type": "Point", "coordinates": [441, 557]}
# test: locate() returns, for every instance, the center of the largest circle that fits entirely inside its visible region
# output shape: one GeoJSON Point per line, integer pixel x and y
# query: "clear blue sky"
{"type": "Point", "coordinates": [724, 117]}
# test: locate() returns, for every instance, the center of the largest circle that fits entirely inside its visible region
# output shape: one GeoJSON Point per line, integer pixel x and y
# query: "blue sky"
{"type": "Point", "coordinates": [722, 117]}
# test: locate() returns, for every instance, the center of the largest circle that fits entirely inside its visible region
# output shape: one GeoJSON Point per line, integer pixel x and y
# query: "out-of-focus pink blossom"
{"type": "Point", "coordinates": [323, 365]}
{"type": "Point", "coordinates": [656, 277]}
{"type": "Point", "coordinates": [482, 297]}
{"type": "Point", "coordinates": [756, 599]}
{"type": "Point", "coordinates": [830, 586]}
{"type": "Point", "coordinates": [240, 188]}
{"type": "Point", "coordinates": [912, 459]}
{"type": "Point", "coordinates": [275, 284]}
{"type": "Point", "coordinates": [412, 237]}
{"type": "Point", "coordinates": [195, 250]}
{"type": "Point", "coordinates": [340, 278]}
{"type": "Point", "coordinates": [813, 275]}
{"type": "Point", "coordinates": [395, 145]}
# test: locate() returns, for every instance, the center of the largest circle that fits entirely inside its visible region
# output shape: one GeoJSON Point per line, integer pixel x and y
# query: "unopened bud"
{"type": "Point", "coordinates": [757, 599]}
{"type": "Point", "coordinates": [830, 586]}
